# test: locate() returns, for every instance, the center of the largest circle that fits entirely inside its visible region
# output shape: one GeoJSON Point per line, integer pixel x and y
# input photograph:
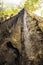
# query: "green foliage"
{"type": "Point", "coordinates": [30, 5]}
{"type": "Point", "coordinates": [8, 12]}
{"type": "Point", "coordinates": [34, 1]}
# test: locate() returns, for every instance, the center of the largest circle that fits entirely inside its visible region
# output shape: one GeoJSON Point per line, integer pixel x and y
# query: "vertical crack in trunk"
{"type": "Point", "coordinates": [26, 37]}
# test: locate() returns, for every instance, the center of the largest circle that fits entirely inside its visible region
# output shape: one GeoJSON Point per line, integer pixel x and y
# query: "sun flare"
{"type": "Point", "coordinates": [14, 2]}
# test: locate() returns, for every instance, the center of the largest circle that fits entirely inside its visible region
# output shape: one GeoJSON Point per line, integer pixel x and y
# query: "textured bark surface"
{"type": "Point", "coordinates": [21, 41]}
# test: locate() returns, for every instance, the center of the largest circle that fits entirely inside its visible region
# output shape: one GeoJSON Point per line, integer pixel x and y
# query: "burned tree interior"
{"type": "Point", "coordinates": [21, 40]}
